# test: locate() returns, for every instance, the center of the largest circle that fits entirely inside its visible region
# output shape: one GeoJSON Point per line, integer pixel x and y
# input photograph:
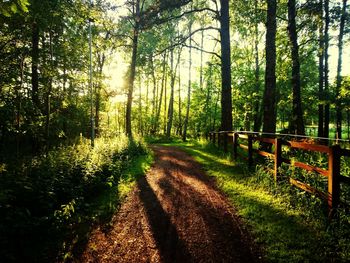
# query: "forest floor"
{"type": "Point", "coordinates": [174, 214]}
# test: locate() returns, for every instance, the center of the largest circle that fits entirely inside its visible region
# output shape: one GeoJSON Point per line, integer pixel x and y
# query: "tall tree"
{"type": "Point", "coordinates": [226, 91]}
{"type": "Point", "coordinates": [320, 131]}
{"type": "Point", "coordinates": [339, 72]}
{"type": "Point", "coordinates": [136, 14]}
{"type": "Point", "coordinates": [184, 134]}
{"type": "Point", "coordinates": [297, 114]}
{"type": "Point", "coordinates": [326, 69]}
{"type": "Point", "coordinates": [257, 110]}
{"type": "Point", "coordinates": [269, 118]}
{"type": "Point", "coordinates": [35, 62]}
{"type": "Point", "coordinates": [171, 99]}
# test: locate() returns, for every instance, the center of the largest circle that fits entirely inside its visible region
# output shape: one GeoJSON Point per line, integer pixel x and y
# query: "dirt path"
{"type": "Point", "coordinates": [174, 214]}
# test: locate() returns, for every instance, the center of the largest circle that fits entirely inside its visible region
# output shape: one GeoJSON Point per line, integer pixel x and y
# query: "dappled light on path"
{"type": "Point", "coordinates": [175, 214]}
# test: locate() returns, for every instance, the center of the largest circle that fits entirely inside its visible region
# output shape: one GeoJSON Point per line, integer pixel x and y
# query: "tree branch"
{"type": "Point", "coordinates": [184, 39]}
{"type": "Point", "coordinates": [202, 50]}
{"type": "Point", "coordinates": [159, 21]}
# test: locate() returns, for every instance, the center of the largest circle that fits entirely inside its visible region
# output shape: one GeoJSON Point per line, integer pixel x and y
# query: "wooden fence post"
{"type": "Point", "coordinates": [235, 144]}
{"type": "Point", "coordinates": [250, 150]}
{"type": "Point", "coordinates": [219, 139]}
{"type": "Point", "coordinates": [278, 158]}
{"type": "Point", "coordinates": [225, 141]}
{"type": "Point", "coordinates": [333, 178]}
{"type": "Point", "coordinates": [214, 137]}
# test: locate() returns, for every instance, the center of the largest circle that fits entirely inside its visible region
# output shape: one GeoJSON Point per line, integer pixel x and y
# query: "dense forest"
{"type": "Point", "coordinates": [172, 67]}
{"type": "Point", "coordinates": [82, 82]}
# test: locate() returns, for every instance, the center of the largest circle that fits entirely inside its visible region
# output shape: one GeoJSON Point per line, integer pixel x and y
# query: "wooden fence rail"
{"type": "Point", "coordinates": [231, 141]}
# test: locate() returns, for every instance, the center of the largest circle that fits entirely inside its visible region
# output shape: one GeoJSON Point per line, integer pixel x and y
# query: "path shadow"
{"type": "Point", "coordinates": [170, 245]}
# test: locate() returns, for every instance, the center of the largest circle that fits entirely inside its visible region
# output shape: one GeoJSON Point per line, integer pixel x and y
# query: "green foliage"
{"type": "Point", "coordinates": [11, 7]}
{"type": "Point", "coordinates": [45, 200]}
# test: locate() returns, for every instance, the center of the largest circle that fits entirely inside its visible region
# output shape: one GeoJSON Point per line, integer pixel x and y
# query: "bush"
{"type": "Point", "coordinates": [44, 197]}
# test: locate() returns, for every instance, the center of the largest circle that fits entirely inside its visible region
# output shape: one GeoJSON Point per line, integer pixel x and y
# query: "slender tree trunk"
{"type": "Point", "coordinates": [215, 111]}
{"type": "Point", "coordinates": [132, 71]}
{"type": "Point", "coordinates": [207, 101]}
{"type": "Point", "coordinates": [101, 61]}
{"type": "Point", "coordinates": [184, 134]}
{"type": "Point", "coordinates": [64, 110]}
{"type": "Point", "coordinates": [339, 76]}
{"type": "Point", "coordinates": [147, 106]}
{"type": "Point", "coordinates": [297, 118]}
{"type": "Point", "coordinates": [326, 70]}
{"type": "Point", "coordinates": [171, 99]}
{"type": "Point", "coordinates": [257, 107]}
{"type": "Point", "coordinates": [19, 106]}
{"type": "Point", "coordinates": [154, 102]}
{"type": "Point", "coordinates": [35, 62]}
{"type": "Point", "coordinates": [161, 95]}
{"type": "Point", "coordinates": [180, 104]}
{"type": "Point", "coordinates": [320, 131]}
{"type": "Point", "coordinates": [165, 104]}
{"type": "Point", "coordinates": [140, 106]}
{"type": "Point", "coordinates": [201, 65]}
{"type": "Point", "coordinates": [97, 108]}
{"type": "Point", "coordinates": [269, 117]}
{"type": "Point", "coordinates": [48, 95]}
{"type": "Point", "coordinates": [226, 92]}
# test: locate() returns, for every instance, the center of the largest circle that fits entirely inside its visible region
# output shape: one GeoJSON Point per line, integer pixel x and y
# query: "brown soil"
{"type": "Point", "coordinates": [174, 214]}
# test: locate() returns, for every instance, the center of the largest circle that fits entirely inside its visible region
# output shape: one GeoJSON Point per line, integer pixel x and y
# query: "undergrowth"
{"type": "Point", "coordinates": [289, 224]}
{"type": "Point", "coordinates": [50, 203]}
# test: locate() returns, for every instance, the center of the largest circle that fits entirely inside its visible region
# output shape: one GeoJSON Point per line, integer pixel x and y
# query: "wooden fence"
{"type": "Point", "coordinates": [231, 141]}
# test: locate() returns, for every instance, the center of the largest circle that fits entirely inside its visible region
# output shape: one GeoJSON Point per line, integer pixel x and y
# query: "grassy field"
{"type": "Point", "coordinates": [290, 225]}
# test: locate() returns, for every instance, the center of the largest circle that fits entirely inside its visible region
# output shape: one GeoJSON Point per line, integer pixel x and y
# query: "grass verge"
{"type": "Point", "coordinates": [291, 226]}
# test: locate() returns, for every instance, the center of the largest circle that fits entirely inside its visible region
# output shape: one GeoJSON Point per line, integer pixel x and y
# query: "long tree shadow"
{"type": "Point", "coordinates": [226, 238]}
{"type": "Point", "coordinates": [170, 245]}
{"type": "Point", "coordinates": [266, 215]}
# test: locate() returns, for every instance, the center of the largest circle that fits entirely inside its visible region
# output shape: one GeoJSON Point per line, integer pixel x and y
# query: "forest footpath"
{"type": "Point", "coordinates": [174, 214]}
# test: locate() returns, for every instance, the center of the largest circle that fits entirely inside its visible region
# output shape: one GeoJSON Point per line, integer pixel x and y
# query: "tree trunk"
{"type": "Point", "coordinates": [207, 101]}
{"type": "Point", "coordinates": [297, 118]}
{"type": "Point", "coordinates": [165, 102]}
{"type": "Point", "coordinates": [184, 134]}
{"type": "Point", "coordinates": [201, 65]}
{"type": "Point", "coordinates": [320, 132]}
{"type": "Point", "coordinates": [132, 71]}
{"type": "Point", "coordinates": [180, 104]}
{"type": "Point", "coordinates": [171, 99]}
{"type": "Point", "coordinates": [269, 117]}
{"type": "Point", "coordinates": [147, 106]}
{"type": "Point", "coordinates": [48, 95]}
{"type": "Point", "coordinates": [339, 76]}
{"type": "Point", "coordinates": [97, 108]}
{"type": "Point", "coordinates": [257, 107]}
{"type": "Point", "coordinates": [226, 93]}
{"type": "Point", "coordinates": [154, 102]}
{"type": "Point", "coordinates": [160, 96]}
{"type": "Point", "coordinates": [35, 62]}
{"type": "Point", "coordinates": [140, 106]}
{"type": "Point", "coordinates": [215, 110]}
{"type": "Point", "coordinates": [326, 71]}
{"type": "Point", "coordinates": [19, 106]}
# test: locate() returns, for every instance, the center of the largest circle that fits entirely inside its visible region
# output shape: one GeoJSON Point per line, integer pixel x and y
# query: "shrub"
{"type": "Point", "coordinates": [45, 196]}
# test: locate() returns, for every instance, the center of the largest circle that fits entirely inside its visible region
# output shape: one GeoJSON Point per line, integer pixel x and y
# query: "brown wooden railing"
{"type": "Point", "coordinates": [231, 141]}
